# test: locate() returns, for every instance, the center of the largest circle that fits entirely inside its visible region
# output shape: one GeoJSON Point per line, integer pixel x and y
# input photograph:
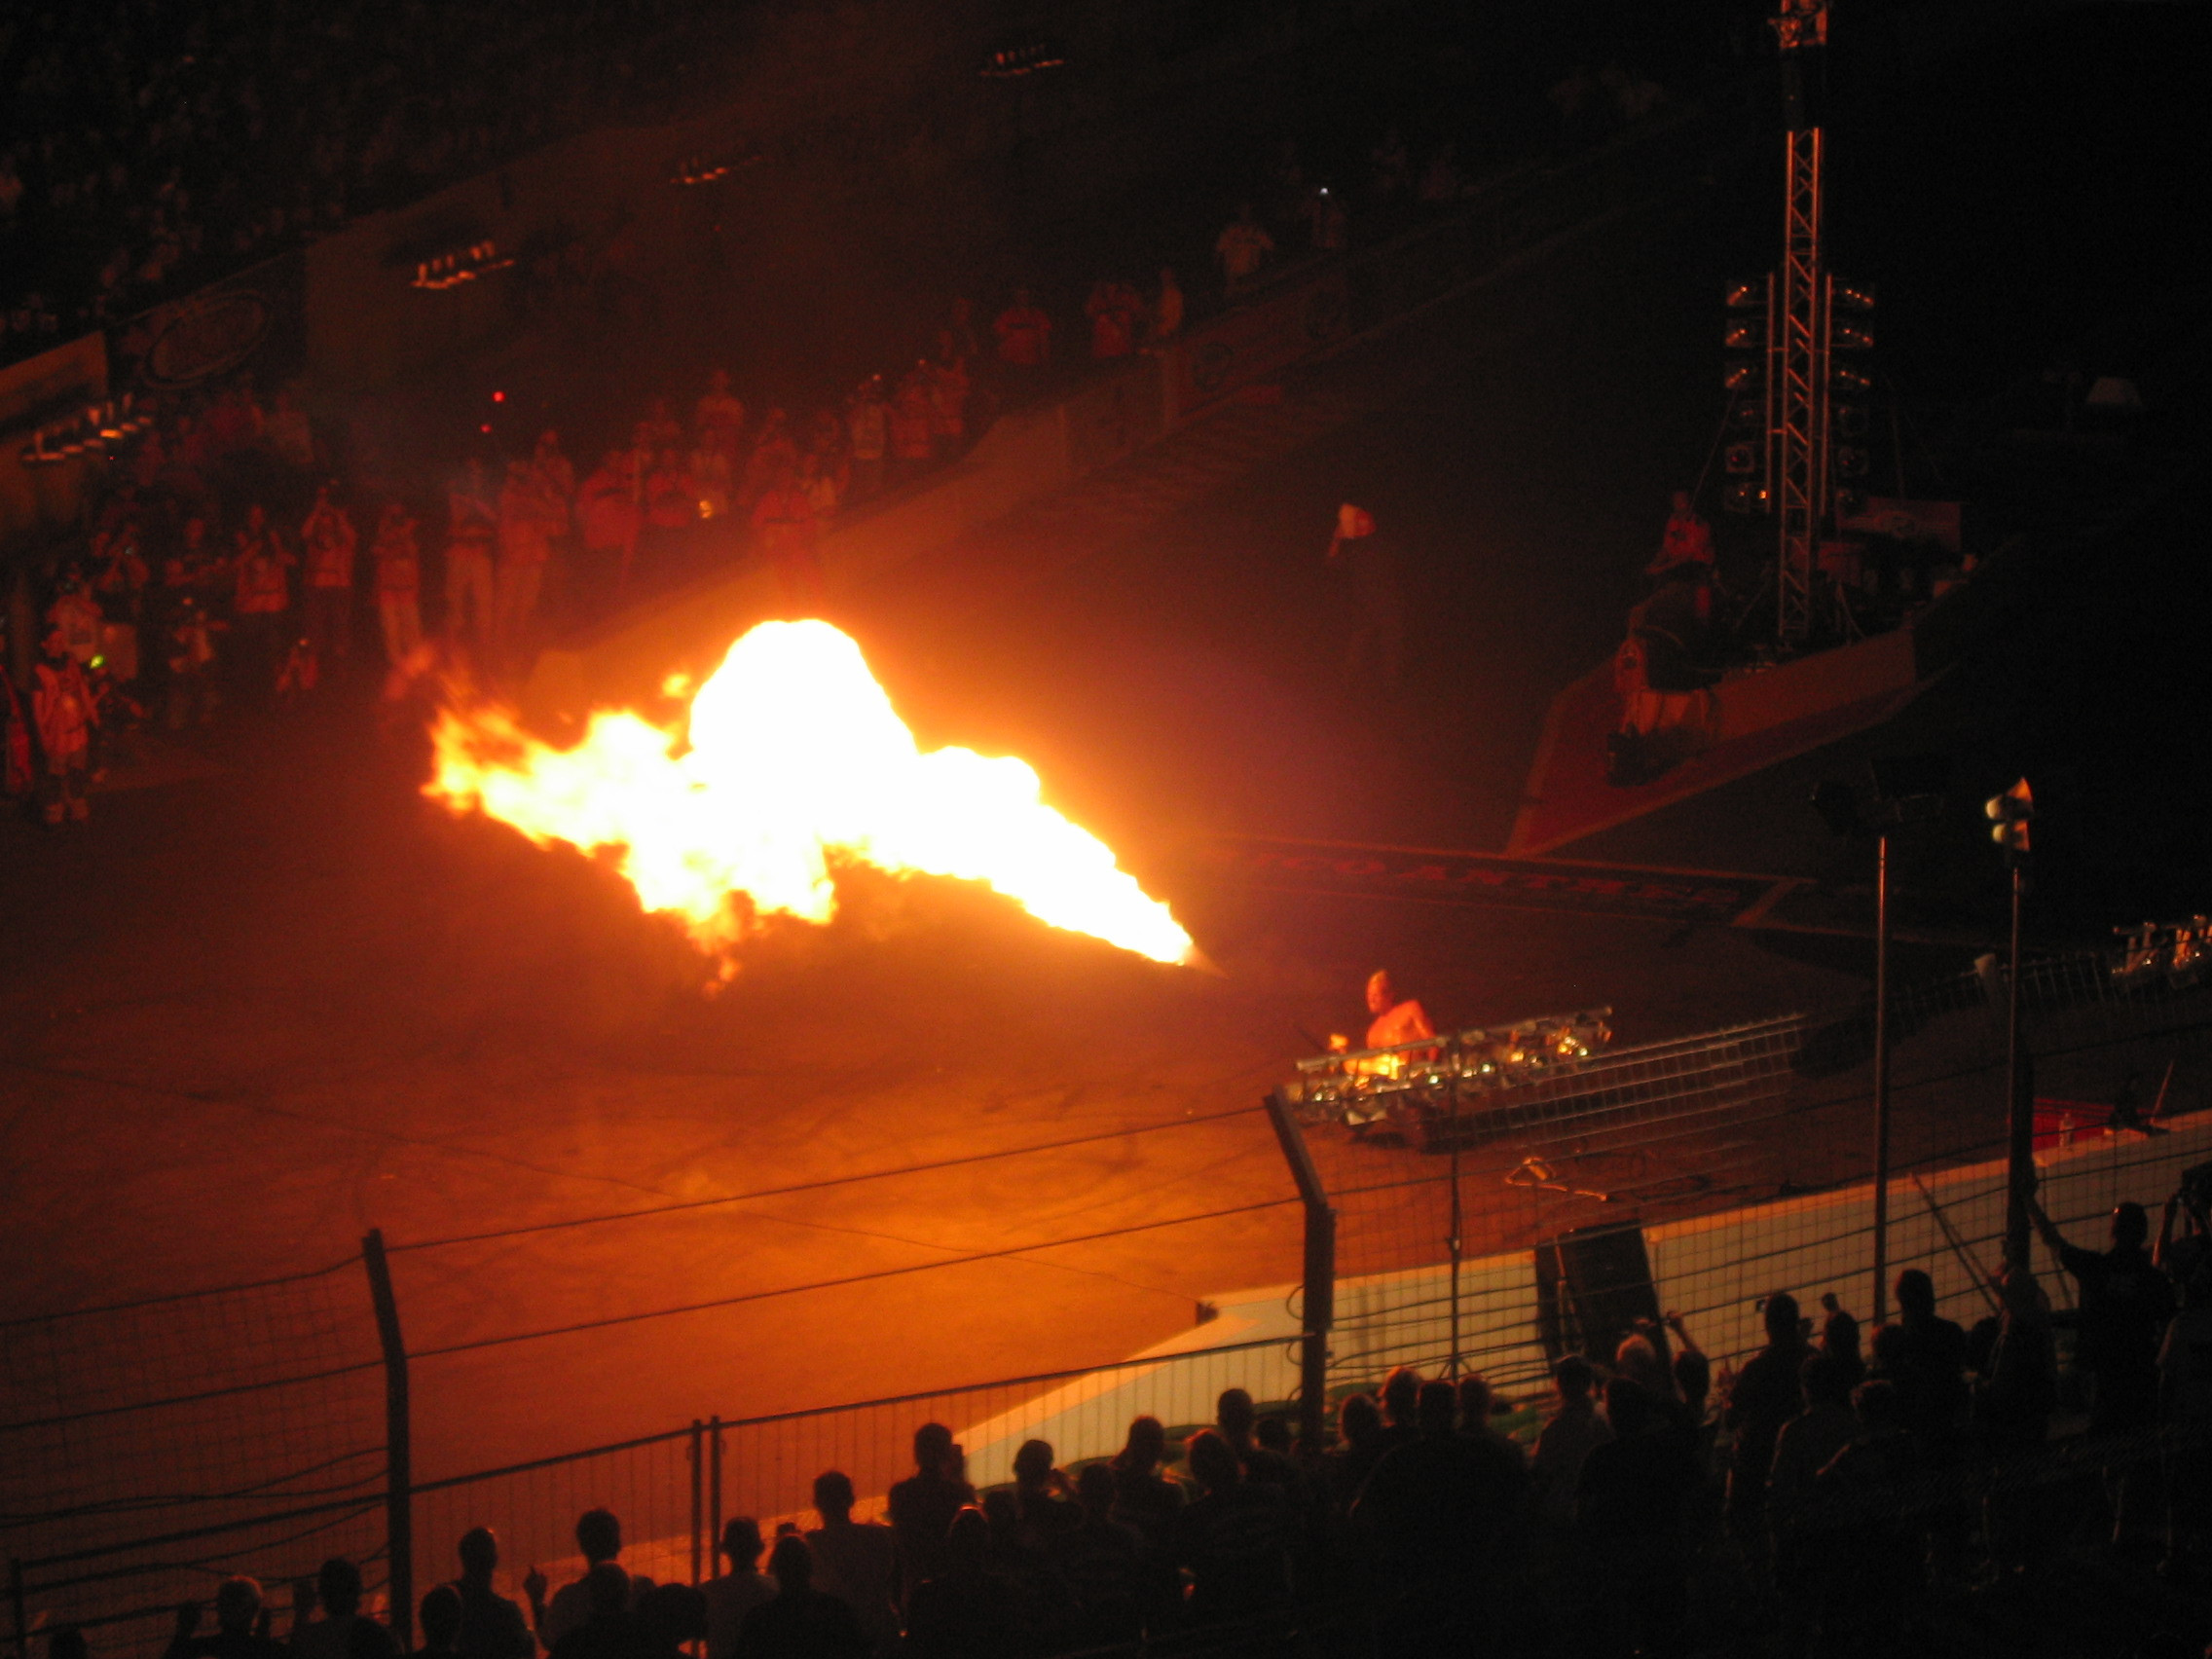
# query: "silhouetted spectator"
{"type": "Point", "coordinates": [1042, 1496]}
{"type": "Point", "coordinates": [1143, 1497]}
{"type": "Point", "coordinates": [1630, 1511]}
{"type": "Point", "coordinates": [1839, 1338]}
{"type": "Point", "coordinates": [438, 1617]}
{"type": "Point", "coordinates": [1102, 1562]}
{"type": "Point", "coordinates": [1478, 1405]}
{"type": "Point", "coordinates": [1574, 1429]}
{"type": "Point", "coordinates": [923, 1505]}
{"type": "Point", "coordinates": [2125, 1303]}
{"type": "Point", "coordinates": [966, 1610]}
{"type": "Point", "coordinates": [491, 1627]}
{"type": "Point", "coordinates": [607, 1630]}
{"type": "Point", "coordinates": [1444, 1502]}
{"type": "Point", "coordinates": [856, 1561]}
{"type": "Point", "coordinates": [1765, 1396]}
{"type": "Point", "coordinates": [1857, 1534]}
{"type": "Point", "coordinates": [1400, 1395]}
{"type": "Point", "coordinates": [1234, 1419]}
{"type": "Point", "coordinates": [343, 1631]}
{"type": "Point", "coordinates": [1360, 1445]}
{"type": "Point", "coordinates": [801, 1622]}
{"type": "Point", "coordinates": [1807, 1444]}
{"type": "Point", "coordinates": [598, 1538]}
{"type": "Point", "coordinates": [1233, 1537]}
{"type": "Point", "coordinates": [1929, 1368]}
{"type": "Point", "coordinates": [734, 1594]}
{"type": "Point", "coordinates": [238, 1621]}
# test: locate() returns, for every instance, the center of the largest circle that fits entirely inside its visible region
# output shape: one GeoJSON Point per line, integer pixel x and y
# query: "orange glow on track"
{"type": "Point", "coordinates": [795, 759]}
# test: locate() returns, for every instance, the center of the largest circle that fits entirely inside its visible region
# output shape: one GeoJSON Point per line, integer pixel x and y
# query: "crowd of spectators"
{"type": "Point", "coordinates": [151, 146]}
{"type": "Point", "coordinates": [227, 546]}
{"type": "Point", "coordinates": [1815, 1500]}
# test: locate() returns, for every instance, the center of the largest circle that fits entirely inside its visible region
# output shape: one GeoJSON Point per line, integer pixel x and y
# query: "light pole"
{"type": "Point", "coordinates": [1908, 789]}
{"type": "Point", "coordinates": [2010, 814]}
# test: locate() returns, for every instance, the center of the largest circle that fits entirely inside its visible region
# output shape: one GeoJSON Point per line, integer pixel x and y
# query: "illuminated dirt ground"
{"type": "Point", "coordinates": [249, 1017]}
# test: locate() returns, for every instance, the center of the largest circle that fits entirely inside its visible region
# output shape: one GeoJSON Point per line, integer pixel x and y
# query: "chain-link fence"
{"type": "Point", "coordinates": [147, 1450]}
{"type": "Point", "coordinates": [675, 1492]}
{"type": "Point", "coordinates": [150, 1449]}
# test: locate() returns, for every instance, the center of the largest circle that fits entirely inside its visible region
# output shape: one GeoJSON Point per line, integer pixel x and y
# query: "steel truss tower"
{"type": "Point", "coordinates": [1798, 345]}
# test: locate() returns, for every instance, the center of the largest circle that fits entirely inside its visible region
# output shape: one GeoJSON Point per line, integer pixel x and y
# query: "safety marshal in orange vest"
{"type": "Point", "coordinates": [63, 709]}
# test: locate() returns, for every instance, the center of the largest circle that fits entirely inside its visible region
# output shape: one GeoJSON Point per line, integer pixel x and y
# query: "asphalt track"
{"type": "Point", "coordinates": [248, 1017]}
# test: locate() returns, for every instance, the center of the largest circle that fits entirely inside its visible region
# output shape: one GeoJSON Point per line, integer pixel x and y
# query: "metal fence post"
{"type": "Point", "coordinates": [713, 1492]}
{"type": "Point", "coordinates": [1319, 1280]}
{"type": "Point", "coordinates": [698, 1481]}
{"type": "Point", "coordinates": [399, 1472]}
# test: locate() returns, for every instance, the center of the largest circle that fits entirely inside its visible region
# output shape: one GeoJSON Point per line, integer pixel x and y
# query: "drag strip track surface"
{"type": "Point", "coordinates": [1446, 877]}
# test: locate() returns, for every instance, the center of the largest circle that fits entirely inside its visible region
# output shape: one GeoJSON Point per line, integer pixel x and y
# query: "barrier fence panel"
{"type": "Point", "coordinates": [1656, 1156]}
{"type": "Point", "coordinates": [764, 1466]}
{"type": "Point", "coordinates": [148, 1449]}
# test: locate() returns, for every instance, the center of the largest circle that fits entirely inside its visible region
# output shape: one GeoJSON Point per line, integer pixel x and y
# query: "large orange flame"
{"type": "Point", "coordinates": [795, 753]}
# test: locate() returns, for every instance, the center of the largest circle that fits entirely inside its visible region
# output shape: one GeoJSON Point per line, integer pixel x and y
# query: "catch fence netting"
{"type": "Point", "coordinates": [1589, 1167]}
{"type": "Point", "coordinates": [150, 1449]}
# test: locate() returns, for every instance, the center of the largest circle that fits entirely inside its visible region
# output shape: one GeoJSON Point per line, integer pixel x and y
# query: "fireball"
{"type": "Point", "coordinates": [792, 758]}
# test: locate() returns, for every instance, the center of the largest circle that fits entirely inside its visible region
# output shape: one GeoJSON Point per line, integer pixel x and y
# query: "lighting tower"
{"type": "Point", "coordinates": [1797, 335]}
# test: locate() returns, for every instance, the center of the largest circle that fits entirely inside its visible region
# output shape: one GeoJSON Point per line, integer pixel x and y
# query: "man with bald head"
{"type": "Point", "coordinates": [1395, 1021]}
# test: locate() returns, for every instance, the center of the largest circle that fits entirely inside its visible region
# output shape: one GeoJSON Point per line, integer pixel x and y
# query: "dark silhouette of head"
{"type": "Point", "coordinates": [1213, 1460]}
{"type": "Point", "coordinates": [833, 1495]}
{"type": "Point", "coordinates": [439, 1614]}
{"type": "Point", "coordinates": [1475, 1403]}
{"type": "Point", "coordinates": [338, 1587]}
{"type": "Point", "coordinates": [66, 1641]}
{"type": "Point", "coordinates": [1916, 1294]}
{"type": "Point", "coordinates": [1272, 1433]}
{"type": "Point", "coordinates": [598, 1535]}
{"type": "Point", "coordinates": [1033, 1463]}
{"type": "Point", "coordinates": [2130, 1225]}
{"type": "Point", "coordinates": [1437, 1408]}
{"type": "Point", "coordinates": [1145, 1447]}
{"type": "Point", "coordinates": [479, 1552]}
{"type": "Point", "coordinates": [742, 1542]}
{"type": "Point", "coordinates": [1628, 1407]}
{"type": "Point", "coordinates": [1401, 1390]}
{"type": "Point", "coordinates": [1781, 1315]}
{"type": "Point", "coordinates": [1094, 1491]}
{"type": "Point", "coordinates": [933, 1448]}
{"type": "Point", "coordinates": [791, 1564]}
{"type": "Point", "coordinates": [1693, 1377]}
{"type": "Point", "coordinates": [1574, 1377]}
{"type": "Point", "coordinates": [1359, 1419]}
{"type": "Point", "coordinates": [237, 1603]}
{"type": "Point", "coordinates": [1232, 1414]}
